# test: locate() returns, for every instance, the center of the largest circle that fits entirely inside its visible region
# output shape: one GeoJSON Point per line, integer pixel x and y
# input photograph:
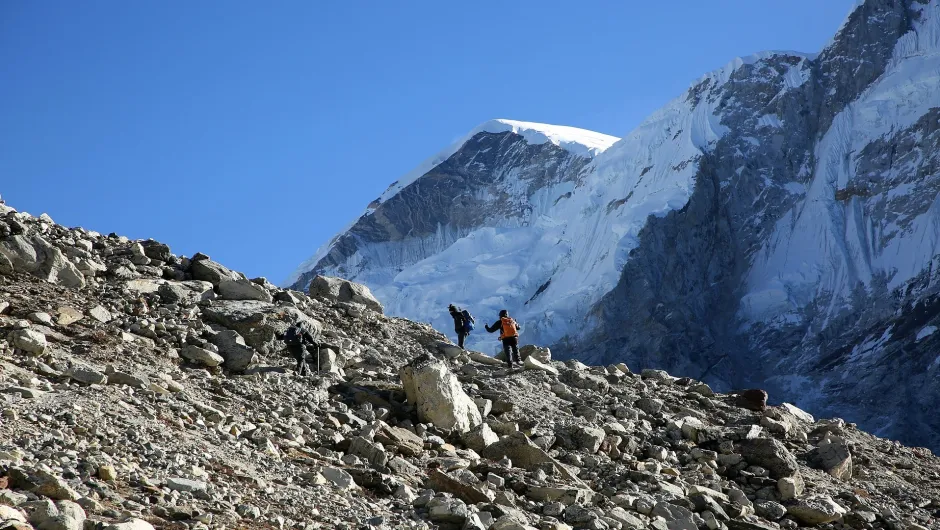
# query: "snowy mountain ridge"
{"type": "Point", "coordinates": [577, 141]}
{"type": "Point", "coordinates": [776, 225]}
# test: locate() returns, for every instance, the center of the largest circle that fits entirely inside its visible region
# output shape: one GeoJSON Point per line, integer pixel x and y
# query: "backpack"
{"type": "Point", "coordinates": [509, 328]}
{"type": "Point", "coordinates": [467, 321]}
{"type": "Point", "coordinates": [293, 335]}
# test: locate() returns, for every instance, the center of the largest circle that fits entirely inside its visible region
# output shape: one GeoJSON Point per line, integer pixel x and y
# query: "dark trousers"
{"type": "Point", "coordinates": [300, 354]}
{"type": "Point", "coordinates": [461, 335]}
{"type": "Point", "coordinates": [511, 349]}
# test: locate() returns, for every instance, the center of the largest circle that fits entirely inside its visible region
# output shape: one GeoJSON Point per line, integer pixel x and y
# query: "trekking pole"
{"type": "Point", "coordinates": [318, 359]}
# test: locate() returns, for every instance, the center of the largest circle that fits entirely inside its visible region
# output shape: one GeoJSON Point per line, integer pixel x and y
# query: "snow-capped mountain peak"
{"type": "Point", "coordinates": [577, 141]}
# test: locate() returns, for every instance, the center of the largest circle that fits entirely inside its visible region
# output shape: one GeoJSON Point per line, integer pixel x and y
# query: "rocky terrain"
{"type": "Point", "coordinates": [776, 225]}
{"type": "Point", "coordinates": [140, 389]}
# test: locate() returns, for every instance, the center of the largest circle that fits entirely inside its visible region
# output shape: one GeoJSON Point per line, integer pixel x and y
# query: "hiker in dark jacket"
{"type": "Point", "coordinates": [297, 337]}
{"type": "Point", "coordinates": [463, 323]}
{"type": "Point", "coordinates": [508, 333]}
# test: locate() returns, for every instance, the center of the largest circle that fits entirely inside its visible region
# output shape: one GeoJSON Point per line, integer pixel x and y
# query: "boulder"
{"type": "Point", "coordinates": [117, 377]}
{"type": "Point", "coordinates": [155, 251]}
{"type": "Point", "coordinates": [565, 495]}
{"type": "Point", "coordinates": [338, 478]}
{"type": "Point", "coordinates": [186, 485]}
{"type": "Point", "coordinates": [470, 493]}
{"type": "Point", "coordinates": [42, 482]}
{"type": "Point", "coordinates": [340, 290]}
{"type": "Point", "coordinates": [532, 363]}
{"type": "Point", "coordinates": [29, 340]}
{"type": "Point", "coordinates": [238, 355]}
{"type": "Point", "coordinates": [589, 438]}
{"type": "Point", "coordinates": [480, 437]}
{"type": "Point", "coordinates": [68, 315]}
{"type": "Point", "coordinates": [407, 442]}
{"type": "Point", "coordinates": [63, 515]}
{"type": "Point", "coordinates": [816, 510]}
{"type": "Point", "coordinates": [832, 455]}
{"type": "Point", "coordinates": [100, 314]}
{"type": "Point", "coordinates": [677, 517]}
{"type": "Point", "coordinates": [207, 270]}
{"type": "Point", "coordinates": [242, 289]}
{"type": "Point", "coordinates": [438, 396]}
{"type": "Point", "coordinates": [649, 405]}
{"type": "Point", "coordinates": [370, 451]}
{"type": "Point", "coordinates": [87, 376]}
{"type": "Point", "coordinates": [525, 454]}
{"type": "Point", "coordinates": [790, 487]}
{"type": "Point", "coordinates": [585, 381]}
{"type": "Point", "coordinates": [173, 292]}
{"type": "Point", "coordinates": [198, 355]}
{"type": "Point", "coordinates": [752, 399]}
{"type": "Point", "coordinates": [34, 255]}
{"type": "Point", "coordinates": [130, 524]}
{"type": "Point", "coordinates": [543, 355]}
{"type": "Point", "coordinates": [770, 454]}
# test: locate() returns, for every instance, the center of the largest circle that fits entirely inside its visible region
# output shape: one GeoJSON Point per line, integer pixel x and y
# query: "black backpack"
{"type": "Point", "coordinates": [467, 321]}
{"type": "Point", "coordinates": [293, 335]}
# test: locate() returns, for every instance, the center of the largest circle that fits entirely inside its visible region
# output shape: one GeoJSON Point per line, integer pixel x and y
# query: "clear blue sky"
{"type": "Point", "coordinates": [254, 131]}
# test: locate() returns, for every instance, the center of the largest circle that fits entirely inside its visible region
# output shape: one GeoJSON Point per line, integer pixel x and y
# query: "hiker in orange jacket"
{"type": "Point", "coordinates": [508, 333]}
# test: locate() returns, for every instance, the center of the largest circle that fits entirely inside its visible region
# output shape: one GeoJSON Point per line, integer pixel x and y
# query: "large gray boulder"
{"type": "Point", "coordinates": [209, 271]}
{"type": "Point", "coordinates": [243, 289]}
{"type": "Point", "coordinates": [29, 340]}
{"type": "Point", "coordinates": [185, 292]}
{"type": "Point", "coordinates": [525, 454]}
{"type": "Point", "coordinates": [438, 396]}
{"type": "Point", "coordinates": [34, 255]}
{"type": "Point", "coordinates": [198, 355]}
{"type": "Point", "coordinates": [769, 454]}
{"type": "Point", "coordinates": [340, 290]}
{"type": "Point", "coordinates": [833, 456]}
{"type": "Point", "coordinates": [238, 355]}
{"type": "Point", "coordinates": [816, 510]}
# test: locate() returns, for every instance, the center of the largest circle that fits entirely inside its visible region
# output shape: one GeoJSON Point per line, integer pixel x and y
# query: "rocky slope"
{"type": "Point", "coordinates": [776, 225]}
{"type": "Point", "coordinates": [141, 390]}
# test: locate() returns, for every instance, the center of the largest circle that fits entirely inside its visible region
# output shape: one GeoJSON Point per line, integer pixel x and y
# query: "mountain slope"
{"type": "Point", "coordinates": [156, 393]}
{"type": "Point", "coordinates": [774, 225]}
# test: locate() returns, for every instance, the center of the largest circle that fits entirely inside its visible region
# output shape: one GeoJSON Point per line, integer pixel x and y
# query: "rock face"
{"type": "Point", "coordinates": [774, 226]}
{"type": "Point", "coordinates": [437, 395]}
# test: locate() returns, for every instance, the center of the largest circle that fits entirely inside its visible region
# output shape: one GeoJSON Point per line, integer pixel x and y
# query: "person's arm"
{"type": "Point", "coordinates": [492, 329]}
